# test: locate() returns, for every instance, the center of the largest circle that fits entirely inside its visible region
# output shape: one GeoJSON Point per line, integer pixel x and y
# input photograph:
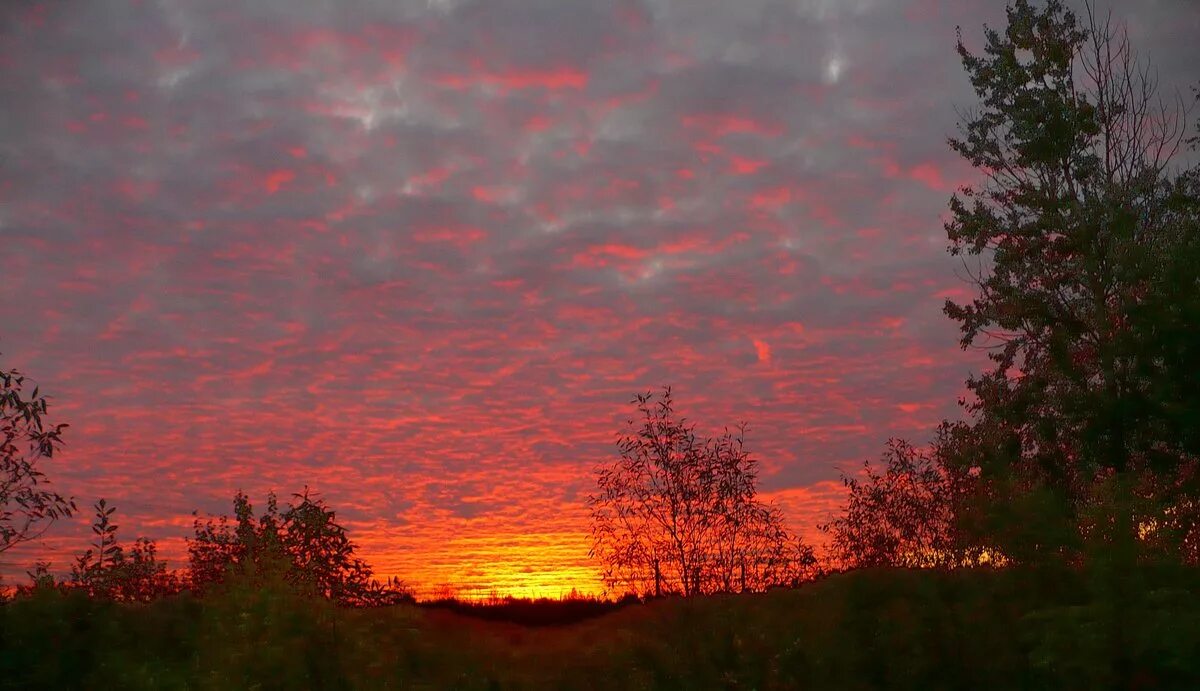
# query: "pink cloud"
{"type": "Point", "coordinates": [552, 79]}
{"type": "Point", "coordinates": [422, 268]}
{"type": "Point", "coordinates": [763, 350]}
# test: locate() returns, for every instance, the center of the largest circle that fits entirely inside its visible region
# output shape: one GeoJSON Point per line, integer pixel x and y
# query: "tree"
{"type": "Point", "coordinates": [322, 556]}
{"type": "Point", "coordinates": [903, 516]}
{"type": "Point", "coordinates": [674, 513]}
{"type": "Point", "coordinates": [303, 545]}
{"type": "Point", "coordinates": [254, 545]}
{"type": "Point", "coordinates": [107, 570]}
{"type": "Point", "coordinates": [27, 505]}
{"type": "Point", "coordinates": [1087, 277]}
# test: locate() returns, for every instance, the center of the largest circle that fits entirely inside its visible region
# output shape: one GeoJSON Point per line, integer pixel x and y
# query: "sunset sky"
{"type": "Point", "coordinates": [420, 255]}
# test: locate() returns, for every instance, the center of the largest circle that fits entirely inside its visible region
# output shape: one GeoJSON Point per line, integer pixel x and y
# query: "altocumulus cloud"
{"type": "Point", "coordinates": [419, 255]}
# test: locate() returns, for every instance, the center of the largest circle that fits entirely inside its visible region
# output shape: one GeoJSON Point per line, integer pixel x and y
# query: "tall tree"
{"type": "Point", "coordinates": [27, 505]}
{"type": "Point", "coordinates": [674, 513]}
{"type": "Point", "coordinates": [1084, 303]}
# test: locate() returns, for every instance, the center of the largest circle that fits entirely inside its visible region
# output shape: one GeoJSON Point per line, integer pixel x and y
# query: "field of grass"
{"type": "Point", "coordinates": [870, 629]}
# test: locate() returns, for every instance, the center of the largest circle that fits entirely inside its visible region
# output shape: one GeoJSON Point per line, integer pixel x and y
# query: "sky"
{"type": "Point", "coordinates": [419, 256]}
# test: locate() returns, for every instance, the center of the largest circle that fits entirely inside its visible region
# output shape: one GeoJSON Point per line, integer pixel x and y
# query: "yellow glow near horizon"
{"type": "Point", "coordinates": [474, 567]}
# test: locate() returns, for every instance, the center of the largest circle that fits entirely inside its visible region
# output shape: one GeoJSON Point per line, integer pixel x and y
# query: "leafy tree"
{"type": "Point", "coordinates": [674, 513]}
{"type": "Point", "coordinates": [254, 544]}
{"type": "Point", "coordinates": [303, 545]}
{"type": "Point", "coordinates": [27, 505]}
{"type": "Point", "coordinates": [905, 514]}
{"type": "Point", "coordinates": [108, 570]}
{"type": "Point", "coordinates": [322, 556]}
{"type": "Point", "coordinates": [1087, 282]}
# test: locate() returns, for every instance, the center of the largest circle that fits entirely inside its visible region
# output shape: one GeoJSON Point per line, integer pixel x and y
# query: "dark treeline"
{"type": "Point", "coordinates": [300, 546]}
{"type": "Point", "coordinates": [532, 612]}
{"type": "Point", "coordinates": [1017, 628]}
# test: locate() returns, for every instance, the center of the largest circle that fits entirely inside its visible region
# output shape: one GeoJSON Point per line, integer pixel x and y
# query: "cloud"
{"type": "Point", "coordinates": [420, 255]}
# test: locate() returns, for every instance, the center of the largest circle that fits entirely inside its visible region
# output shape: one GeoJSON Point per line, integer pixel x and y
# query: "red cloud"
{"type": "Point", "coordinates": [745, 166]}
{"type": "Point", "coordinates": [720, 125]}
{"type": "Point", "coordinates": [763, 350]}
{"type": "Point", "coordinates": [552, 79]}
{"type": "Point", "coordinates": [276, 179]}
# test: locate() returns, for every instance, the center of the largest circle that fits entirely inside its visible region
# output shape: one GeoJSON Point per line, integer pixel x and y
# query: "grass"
{"type": "Point", "coordinates": [897, 629]}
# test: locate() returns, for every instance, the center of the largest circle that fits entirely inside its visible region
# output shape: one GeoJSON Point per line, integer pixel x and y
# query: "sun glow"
{"type": "Point", "coordinates": [528, 565]}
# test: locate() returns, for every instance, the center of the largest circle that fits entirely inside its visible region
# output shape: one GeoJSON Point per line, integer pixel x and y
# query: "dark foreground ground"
{"type": "Point", "coordinates": [865, 630]}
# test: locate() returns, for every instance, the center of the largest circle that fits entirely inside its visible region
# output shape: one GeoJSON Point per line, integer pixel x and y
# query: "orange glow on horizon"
{"type": "Point", "coordinates": [522, 565]}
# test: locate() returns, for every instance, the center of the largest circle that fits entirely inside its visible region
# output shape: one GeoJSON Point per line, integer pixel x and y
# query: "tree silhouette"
{"type": "Point", "coordinates": [677, 514]}
{"type": "Point", "coordinates": [27, 506]}
{"type": "Point", "coordinates": [913, 512]}
{"type": "Point", "coordinates": [107, 570]}
{"type": "Point", "coordinates": [1087, 284]}
{"type": "Point", "coordinates": [303, 545]}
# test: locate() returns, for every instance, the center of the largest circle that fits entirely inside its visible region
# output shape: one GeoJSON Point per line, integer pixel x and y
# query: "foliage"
{"type": "Point", "coordinates": [40, 576]}
{"type": "Point", "coordinates": [675, 513]}
{"type": "Point", "coordinates": [873, 628]}
{"type": "Point", "coordinates": [108, 571]}
{"type": "Point", "coordinates": [303, 545]}
{"type": "Point", "coordinates": [27, 506]}
{"type": "Point", "coordinates": [909, 514]}
{"type": "Point", "coordinates": [1088, 302]}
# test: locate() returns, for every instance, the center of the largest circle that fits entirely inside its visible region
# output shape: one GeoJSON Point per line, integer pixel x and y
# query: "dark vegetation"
{"type": "Point", "coordinates": [1048, 539]}
{"type": "Point", "coordinates": [1050, 628]}
{"type": "Point", "coordinates": [1083, 243]}
{"type": "Point", "coordinates": [27, 504]}
{"type": "Point", "coordinates": [303, 546]}
{"type": "Point", "coordinates": [531, 612]}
